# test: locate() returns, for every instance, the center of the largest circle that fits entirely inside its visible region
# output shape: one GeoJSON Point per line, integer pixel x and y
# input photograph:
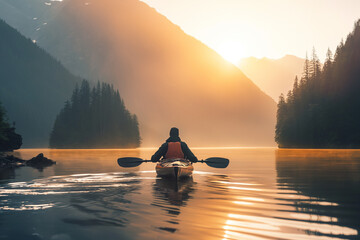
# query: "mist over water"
{"type": "Point", "coordinates": [265, 193]}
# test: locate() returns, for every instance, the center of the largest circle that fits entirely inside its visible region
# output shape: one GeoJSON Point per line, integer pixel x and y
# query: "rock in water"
{"type": "Point", "coordinates": [10, 161]}
{"type": "Point", "coordinates": [40, 161]}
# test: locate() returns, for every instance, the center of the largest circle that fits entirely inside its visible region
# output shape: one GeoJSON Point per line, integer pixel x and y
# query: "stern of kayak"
{"type": "Point", "coordinates": [176, 168]}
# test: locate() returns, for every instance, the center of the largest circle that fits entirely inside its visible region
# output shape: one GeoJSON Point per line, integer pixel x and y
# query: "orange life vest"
{"type": "Point", "coordinates": [174, 150]}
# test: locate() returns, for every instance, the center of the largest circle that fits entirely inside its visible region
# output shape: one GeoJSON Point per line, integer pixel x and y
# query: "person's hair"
{"type": "Point", "coordinates": [174, 132]}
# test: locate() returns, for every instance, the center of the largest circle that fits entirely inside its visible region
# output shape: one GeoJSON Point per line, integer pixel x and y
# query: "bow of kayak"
{"type": "Point", "coordinates": [176, 168]}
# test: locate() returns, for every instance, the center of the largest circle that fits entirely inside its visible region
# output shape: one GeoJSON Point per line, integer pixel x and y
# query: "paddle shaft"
{"type": "Point", "coordinates": [216, 162]}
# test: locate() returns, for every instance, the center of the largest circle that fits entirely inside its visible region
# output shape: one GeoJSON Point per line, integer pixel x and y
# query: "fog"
{"type": "Point", "coordinates": [167, 78]}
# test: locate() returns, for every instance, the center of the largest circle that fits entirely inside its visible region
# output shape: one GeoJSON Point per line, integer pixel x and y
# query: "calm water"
{"type": "Point", "coordinates": [263, 194]}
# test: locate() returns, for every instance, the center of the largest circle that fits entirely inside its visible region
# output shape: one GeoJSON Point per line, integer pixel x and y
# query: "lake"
{"type": "Point", "coordinates": [265, 193]}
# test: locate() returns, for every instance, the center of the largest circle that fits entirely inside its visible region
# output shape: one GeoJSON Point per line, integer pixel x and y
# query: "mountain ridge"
{"type": "Point", "coordinates": [273, 76]}
{"type": "Point", "coordinates": [34, 86]}
{"type": "Point", "coordinates": [167, 77]}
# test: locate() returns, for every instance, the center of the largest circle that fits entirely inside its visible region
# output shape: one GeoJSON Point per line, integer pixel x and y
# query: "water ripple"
{"type": "Point", "coordinates": [210, 205]}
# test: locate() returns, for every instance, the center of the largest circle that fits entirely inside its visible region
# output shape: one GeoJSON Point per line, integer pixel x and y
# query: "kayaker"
{"type": "Point", "coordinates": [174, 148]}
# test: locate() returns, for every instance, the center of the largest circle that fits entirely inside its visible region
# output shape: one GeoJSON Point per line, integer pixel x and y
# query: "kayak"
{"type": "Point", "coordinates": [176, 168]}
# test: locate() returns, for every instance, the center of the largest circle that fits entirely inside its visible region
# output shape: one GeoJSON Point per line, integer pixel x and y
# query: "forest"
{"type": "Point", "coordinates": [322, 109]}
{"type": "Point", "coordinates": [95, 117]}
{"type": "Point", "coordinates": [9, 139]}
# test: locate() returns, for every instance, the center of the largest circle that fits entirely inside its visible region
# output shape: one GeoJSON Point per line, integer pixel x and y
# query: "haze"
{"type": "Point", "coordinates": [238, 28]}
{"type": "Point", "coordinates": [169, 78]}
{"type": "Point", "coordinates": [166, 77]}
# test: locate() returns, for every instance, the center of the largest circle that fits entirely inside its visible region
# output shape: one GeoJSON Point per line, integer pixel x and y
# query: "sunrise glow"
{"type": "Point", "coordinates": [232, 51]}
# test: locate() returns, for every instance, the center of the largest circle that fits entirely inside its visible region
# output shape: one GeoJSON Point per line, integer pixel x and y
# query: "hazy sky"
{"type": "Point", "coordinates": [270, 28]}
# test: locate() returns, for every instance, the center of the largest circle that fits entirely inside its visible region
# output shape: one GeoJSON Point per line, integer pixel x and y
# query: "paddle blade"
{"type": "Point", "coordinates": [217, 162]}
{"type": "Point", "coordinates": [130, 161]}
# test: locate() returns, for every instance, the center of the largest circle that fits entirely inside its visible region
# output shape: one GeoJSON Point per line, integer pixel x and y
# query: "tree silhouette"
{"type": "Point", "coordinates": [9, 140]}
{"type": "Point", "coordinates": [322, 111]}
{"type": "Point", "coordinates": [95, 118]}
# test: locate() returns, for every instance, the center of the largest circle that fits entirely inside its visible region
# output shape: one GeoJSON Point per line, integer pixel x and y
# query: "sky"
{"type": "Point", "coordinates": [263, 28]}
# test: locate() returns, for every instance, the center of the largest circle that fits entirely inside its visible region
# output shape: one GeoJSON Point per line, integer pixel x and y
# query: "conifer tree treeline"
{"type": "Point", "coordinates": [95, 118]}
{"type": "Point", "coordinates": [323, 109]}
{"type": "Point", "coordinates": [9, 139]}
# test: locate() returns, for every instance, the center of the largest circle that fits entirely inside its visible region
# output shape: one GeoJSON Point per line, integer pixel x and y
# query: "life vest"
{"type": "Point", "coordinates": [174, 150]}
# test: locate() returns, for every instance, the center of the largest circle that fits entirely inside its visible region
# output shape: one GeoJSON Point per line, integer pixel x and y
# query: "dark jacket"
{"type": "Point", "coordinates": [161, 152]}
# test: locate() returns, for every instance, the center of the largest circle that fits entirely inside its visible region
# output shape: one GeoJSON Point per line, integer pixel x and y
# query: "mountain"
{"type": "Point", "coordinates": [30, 15]}
{"type": "Point", "coordinates": [166, 77]}
{"type": "Point", "coordinates": [273, 76]}
{"type": "Point", "coordinates": [33, 86]}
{"type": "Point", "coordinates": [322, 110]}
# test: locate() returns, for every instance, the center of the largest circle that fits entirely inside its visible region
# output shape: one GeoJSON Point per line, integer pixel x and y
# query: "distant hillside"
{"type": "Point", "coordinates": [166, 77]}
{"type": "Point", "coordinates": [28, 16]}
{"type": "Point", "coordinates": [33, 86]}
{"type": "Point", "coordinates": [273, 76]}
{"type": "Point", "coordinates": [322, 110]}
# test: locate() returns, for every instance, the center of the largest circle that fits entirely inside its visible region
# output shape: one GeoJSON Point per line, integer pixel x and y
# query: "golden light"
{"type": "Point", "coordinates": [231, 51]}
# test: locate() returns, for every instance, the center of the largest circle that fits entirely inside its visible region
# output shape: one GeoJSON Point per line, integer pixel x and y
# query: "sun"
{"type": "Point", "coordinates": [231, 51]}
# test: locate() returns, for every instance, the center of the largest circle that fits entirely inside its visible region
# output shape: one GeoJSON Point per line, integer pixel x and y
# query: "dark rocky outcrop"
{"type": "Point", "coordinates": [39, 162]}
{"type": "Point", "coordinates": [9, 161]}
{"type": "Point", "coordinates": [10, 140]}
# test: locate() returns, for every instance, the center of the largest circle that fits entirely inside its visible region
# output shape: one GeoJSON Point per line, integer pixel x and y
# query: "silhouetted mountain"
{"type": "Point", "coordinates": [167, 77]}
{"type": "Point", "coordinates": [273, 76]}
{"type": "Point", "coordinates": [33, 86]}
{"type": "Point", "coordinates": [322, 110]}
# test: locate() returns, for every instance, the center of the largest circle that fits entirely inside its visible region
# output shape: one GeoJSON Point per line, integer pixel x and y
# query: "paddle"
{"type": "Point", "coordinates": [216, 162]}
{"type": "Point", "coordinates": [131, 161]}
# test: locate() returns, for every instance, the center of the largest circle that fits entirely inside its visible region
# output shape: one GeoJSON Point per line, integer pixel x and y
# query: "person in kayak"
{"type": "Point", "coordinates": [174, 148]}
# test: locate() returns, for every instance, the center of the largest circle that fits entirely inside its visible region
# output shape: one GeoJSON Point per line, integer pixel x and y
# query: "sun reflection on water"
{"type": "Point", "coordinates": [256, 198]}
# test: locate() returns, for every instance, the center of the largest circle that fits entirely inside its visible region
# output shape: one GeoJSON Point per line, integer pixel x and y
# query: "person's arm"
{"type": "Point", "coordinates": [159, 153]}
{"type": "Point", "coordinates": [188, 153]}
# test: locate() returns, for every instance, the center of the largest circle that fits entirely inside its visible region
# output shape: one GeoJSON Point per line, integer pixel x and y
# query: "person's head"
{"type": "Point", "coordinates": [174, 132]}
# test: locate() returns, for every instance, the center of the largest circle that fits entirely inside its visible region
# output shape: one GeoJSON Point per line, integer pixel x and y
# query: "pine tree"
{"type": "Point", "coordinates": [9, 139]}
{"type": "Point", "coordinates": [95, 118]}
{"type": "Point", "coordinates": [328, 60]}
{"type": "Point", "coordinates": [314, 68]}
{"type": "Point", "coordinates": [306, 73]}
{"type": "Point", "coordinates": [322, 111]}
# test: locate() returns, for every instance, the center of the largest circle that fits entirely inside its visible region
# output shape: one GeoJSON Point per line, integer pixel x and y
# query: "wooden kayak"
{"type": "Point", "coordinates": [176, 168]}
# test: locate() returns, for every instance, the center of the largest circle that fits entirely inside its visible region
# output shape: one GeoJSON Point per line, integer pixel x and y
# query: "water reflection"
{"type": "Point", "coordinates": [326, 189]}
{"type": "Point", "coordinates": [263, 194]}
{"type": "Point", "coordinates": [6, 174]}
{"type": "Point", "coordinates": [170, 195]}
{"type": "Point", "coordinates": [106, 204]}
{"type": "Point", "coordinates": [83, 201]}
{"type": "Point", "coordinates": [173, 191]}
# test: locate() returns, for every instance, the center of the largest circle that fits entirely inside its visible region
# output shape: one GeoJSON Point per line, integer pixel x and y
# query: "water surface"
{"type": "Point", "coordinates": [265, 193]}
